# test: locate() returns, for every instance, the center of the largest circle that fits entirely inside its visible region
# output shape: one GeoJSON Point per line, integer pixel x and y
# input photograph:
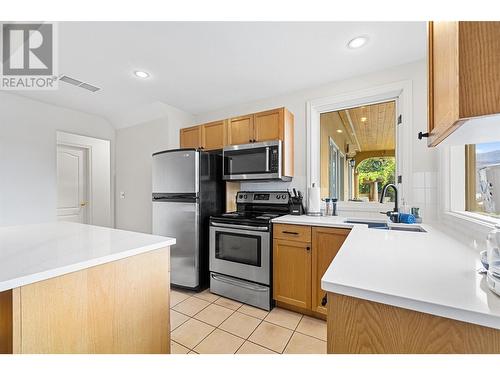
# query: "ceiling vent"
{"type": "Point", "coordinates": [77, 83]}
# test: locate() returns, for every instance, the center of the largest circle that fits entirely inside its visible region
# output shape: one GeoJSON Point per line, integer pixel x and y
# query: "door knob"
{"type": "Point", "coordinates": [83, 204]}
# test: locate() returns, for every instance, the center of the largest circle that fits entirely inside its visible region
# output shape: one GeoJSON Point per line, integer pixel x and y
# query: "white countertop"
{"type": "Point", "coordinates": [427, 272]}
{"type": "Point", "coordinates": [31, 253]}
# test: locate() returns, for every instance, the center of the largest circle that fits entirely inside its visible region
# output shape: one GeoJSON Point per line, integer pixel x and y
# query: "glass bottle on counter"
{"type": "Point", "coordinates": [328, 207]}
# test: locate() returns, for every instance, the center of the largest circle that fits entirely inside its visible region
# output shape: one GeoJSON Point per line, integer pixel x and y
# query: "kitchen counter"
{"type": "Point", "coordinates": [426, 272]}
{"type": "Point", "coordinates": [32, 253]}
{"type": "Point", "coordinates": [82, 289]}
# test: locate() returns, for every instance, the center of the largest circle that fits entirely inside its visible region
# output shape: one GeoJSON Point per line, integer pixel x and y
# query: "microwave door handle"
{"type": "Point", "coordinates": [267, 158]}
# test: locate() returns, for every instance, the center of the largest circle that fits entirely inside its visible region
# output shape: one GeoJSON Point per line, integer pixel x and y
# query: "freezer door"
{"type": "Point", "coordinates": [176, 172]}
{"type": "Point", "coordinates": [180, 220]}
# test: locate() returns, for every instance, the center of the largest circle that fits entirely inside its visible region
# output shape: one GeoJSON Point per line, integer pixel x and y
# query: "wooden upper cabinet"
{"type": "Point", "coordinates": [268, 125]}
{"type": "Point", "coordinates": [190, 137]}
{"type": "Point", "coordinates": [214, 135]}
{"type": "Point", "coordinates": [240, 130]}
{"type": "Point", "coordinates": [463, 74]}
{"type": "Point", "coordinates": [326, 243]}
{"type": "Point", "coordinates": [292, 273]}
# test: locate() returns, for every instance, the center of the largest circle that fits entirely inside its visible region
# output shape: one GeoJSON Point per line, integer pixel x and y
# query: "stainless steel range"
{"type": "Point", "coordinates": [241, 247]}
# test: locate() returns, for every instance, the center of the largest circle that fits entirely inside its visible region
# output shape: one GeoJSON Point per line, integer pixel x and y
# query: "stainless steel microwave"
{"type": "Point", "coordinates": [254, 161]}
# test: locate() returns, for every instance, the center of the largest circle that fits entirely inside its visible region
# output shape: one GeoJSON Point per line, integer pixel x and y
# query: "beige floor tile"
{"type": "Point", "coordinates": [191, 333]}
{"type": "Point", "coordinates": [229, 303]}
{"type": "Point", "coordinates": [251, 348]}
{"type": "Point", "coordinates": [312, 327]}
{"type": "Point", "coordinates": [284, 318]}
{"type": "Point", "coordinates": [214, 314]}
{"type": "Point", "coordinates": [271, 336]}
{"type": "Point", "coordinates": [207, 296]}
{"type": "Point", "coordinates": [176, 348]}
{"type": "Point", "coordinates": [302, 344]}
{"type": "Point", "coordinates": [191, 306]}
{"type": "Point", "coordinates": [240, 324]}
{"type": "Point", "coordinates": [219, 342]}
{"type": "Point", "coordinates": [177, 297]}
{"type": "Point", "coordinates": [253, 311]}
{"type": "Point", "coordinates": [176, 319]}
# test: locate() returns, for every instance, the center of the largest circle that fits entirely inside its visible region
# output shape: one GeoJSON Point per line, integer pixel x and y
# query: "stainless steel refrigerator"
{"type": "Point", "coordinates": [187, 190]}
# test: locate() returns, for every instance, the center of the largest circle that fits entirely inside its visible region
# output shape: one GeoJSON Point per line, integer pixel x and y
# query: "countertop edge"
{"type": "Point", "coordinates": [414, 305]}
{"type": "Point", "coordinates": [60, 271]}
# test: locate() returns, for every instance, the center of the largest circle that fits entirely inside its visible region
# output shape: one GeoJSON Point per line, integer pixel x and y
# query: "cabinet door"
{"type": "Point", "coordinates": [214, 135]}
{"type": "Point", "coordinates": [326, 243]}
{"type": "Point", "coordinates": [292, 273]}
{"type": "Point", "coordinates": [269, 125]}
{"type": "Point", "coordinates": [190, 137]}
{"type": "Point", "coordinates": [443, 70]}
{"type": "Point", "coordinates": [240, 130]}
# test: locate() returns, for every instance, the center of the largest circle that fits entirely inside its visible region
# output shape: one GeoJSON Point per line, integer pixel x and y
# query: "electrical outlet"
{"type": "Point", "coordinates": [122, 195]}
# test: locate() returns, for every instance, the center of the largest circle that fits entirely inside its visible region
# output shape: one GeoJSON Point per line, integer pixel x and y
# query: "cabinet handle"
{"type": "Point", "coordinates": [288, 232]}
{"type": "Point", "coordinates": [324, 300]}
{"type": "Point", "coordinates": [308, 248]}
{"type": "Point", "coordinates": [422, 135]}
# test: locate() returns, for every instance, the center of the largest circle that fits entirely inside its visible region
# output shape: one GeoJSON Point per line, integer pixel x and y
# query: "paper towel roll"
{"type": "Point", "coordinates": [313, 201]}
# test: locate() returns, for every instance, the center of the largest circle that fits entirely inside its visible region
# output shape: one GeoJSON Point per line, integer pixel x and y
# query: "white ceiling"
{"type": "Point", "coordinates": [200, 66]}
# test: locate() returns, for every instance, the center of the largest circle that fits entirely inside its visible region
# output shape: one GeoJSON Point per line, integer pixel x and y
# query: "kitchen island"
{"type": "Point", "coordinates": [74, 288]}
{"type": "Point", "coordinates": [394, 291]}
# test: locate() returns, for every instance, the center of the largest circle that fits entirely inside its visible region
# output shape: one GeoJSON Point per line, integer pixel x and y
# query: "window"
{"type": "Point", "coordinates": [482, 178]}
{"type": "Point", "coordinates": [358, 152]}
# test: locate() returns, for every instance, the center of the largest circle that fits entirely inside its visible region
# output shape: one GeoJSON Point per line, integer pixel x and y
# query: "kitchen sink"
{"type": "Point", "coordinates": [383, 225]}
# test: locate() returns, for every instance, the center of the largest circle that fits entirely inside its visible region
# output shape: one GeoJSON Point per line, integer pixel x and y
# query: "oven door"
{"type": "Point", "coordinates": [253, 161]}
{"type": "Point", "coordinates": [241, 251]}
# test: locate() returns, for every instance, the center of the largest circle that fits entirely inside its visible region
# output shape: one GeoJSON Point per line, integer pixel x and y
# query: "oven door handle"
{"type": "Point", "coordinates": [246, 227]}
{"type": "Point", "coordinates": [239, 283]}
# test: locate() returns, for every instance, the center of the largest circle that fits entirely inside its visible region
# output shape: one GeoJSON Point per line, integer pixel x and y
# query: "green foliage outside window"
{"type": "Point", "coordinates": [382, 170]}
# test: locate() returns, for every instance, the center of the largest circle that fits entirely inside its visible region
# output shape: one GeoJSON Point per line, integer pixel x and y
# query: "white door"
{"type": "Point", "coordinates": [72, 184]}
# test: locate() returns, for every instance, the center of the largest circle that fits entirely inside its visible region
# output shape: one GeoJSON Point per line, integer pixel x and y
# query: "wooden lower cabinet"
{"type": "Point", "coordinates": [121, 307]}
{"type": "Point", "coordinates": [292, 273]}
{"type": "Point", "coordinates": [357, 326]}
{"type": "Point", "coordinates": [299, 265]}
{"type": "Point", "coordinates": [326, 243]}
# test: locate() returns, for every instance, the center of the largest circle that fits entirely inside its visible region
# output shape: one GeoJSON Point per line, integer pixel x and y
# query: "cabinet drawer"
{"type": "Point", "coordinates": [300, 233]}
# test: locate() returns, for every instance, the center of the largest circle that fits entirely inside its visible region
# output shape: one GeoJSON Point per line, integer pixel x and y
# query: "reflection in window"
{"type": "Point", "coordinates": [483, 178]}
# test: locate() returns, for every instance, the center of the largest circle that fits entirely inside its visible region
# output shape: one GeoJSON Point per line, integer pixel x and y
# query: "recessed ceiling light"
{"type": "Point", "coordinates": [339, 130]}
{"type": "Point", "coordinates": [363, 119]}
{"type": "Point", "coordinates": [357, 42]}
{"type": "Point", "coordinates": [141, 74]}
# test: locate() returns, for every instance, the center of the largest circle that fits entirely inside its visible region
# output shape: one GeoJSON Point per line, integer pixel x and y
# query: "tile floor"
{"type": "Point", "coordinates": [204, 323]}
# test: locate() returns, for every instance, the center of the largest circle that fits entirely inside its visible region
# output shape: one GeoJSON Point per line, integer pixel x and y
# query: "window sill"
{"type": "Point", "coordinates": [472, 224]}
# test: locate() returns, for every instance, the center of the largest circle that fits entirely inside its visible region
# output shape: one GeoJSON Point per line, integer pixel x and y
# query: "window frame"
{"type": "Point", "coordinates": [401, 92]}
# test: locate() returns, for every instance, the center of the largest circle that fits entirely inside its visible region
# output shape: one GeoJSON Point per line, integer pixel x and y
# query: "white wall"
{"type": "Point", "coordinates": [28, 183]}
{"type": "Point", "coordinates": [424, 160]}
{"type": "Point", "coordinates": [134, 148]}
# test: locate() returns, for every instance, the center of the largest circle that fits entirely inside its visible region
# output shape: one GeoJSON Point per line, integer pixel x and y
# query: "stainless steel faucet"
{"type": "Point", "coordinates": [393, 215]}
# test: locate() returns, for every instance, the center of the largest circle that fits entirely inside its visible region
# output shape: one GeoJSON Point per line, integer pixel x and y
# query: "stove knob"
{"type": "Point", "coordinates": [245, 196]}
{"type": "Point", "coordinates": [278, 197]}
{"type": "Point", "coordinates": [283, 196]}
{"type": "Point", "coordinates": [241, 196]}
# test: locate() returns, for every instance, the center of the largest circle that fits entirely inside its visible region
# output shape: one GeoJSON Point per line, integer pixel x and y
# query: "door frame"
{"type": "Point", "coordinates": [99, 175]}
{"type": "Point", "coordinates": [401, 92]}
{"type": "Point", "coordinates": [88, 177]}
